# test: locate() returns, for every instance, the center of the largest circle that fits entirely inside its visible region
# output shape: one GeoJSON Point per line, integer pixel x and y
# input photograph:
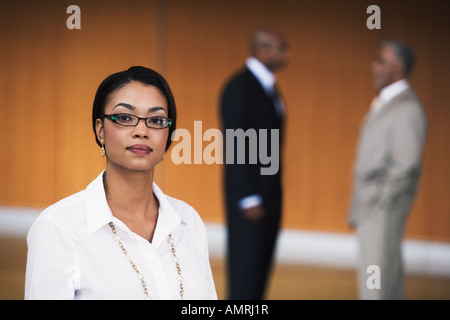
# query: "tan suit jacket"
{"type": "Point", "coordinates": [386, 175]}
{"type": "Point", "coordinates": [389, 158]}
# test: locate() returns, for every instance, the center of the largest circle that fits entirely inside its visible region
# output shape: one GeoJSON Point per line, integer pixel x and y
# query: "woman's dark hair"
{"type": "Point", "coordinates": [118, 80]}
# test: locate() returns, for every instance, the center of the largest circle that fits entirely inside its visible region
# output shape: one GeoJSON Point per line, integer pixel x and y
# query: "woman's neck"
{"type": "Point", "coordinates": [130, 197]}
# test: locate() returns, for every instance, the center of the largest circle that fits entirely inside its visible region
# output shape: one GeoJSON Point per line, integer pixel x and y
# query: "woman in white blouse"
{"type": "Point", "coordinates": [122, 237]}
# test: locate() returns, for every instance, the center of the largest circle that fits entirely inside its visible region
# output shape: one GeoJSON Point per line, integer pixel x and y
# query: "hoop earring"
{"type": "Point", "coordinates": [163, 157]}
{"type": "Point", "coordinates": [102, 150]}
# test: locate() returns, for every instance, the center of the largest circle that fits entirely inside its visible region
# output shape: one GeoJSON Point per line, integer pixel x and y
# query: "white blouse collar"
{"type": "Point", "coordinates": [99, 214]}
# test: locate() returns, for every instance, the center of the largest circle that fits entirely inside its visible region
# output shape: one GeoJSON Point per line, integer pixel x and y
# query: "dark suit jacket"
{"type": "Point", "coordinates": [245, 105]}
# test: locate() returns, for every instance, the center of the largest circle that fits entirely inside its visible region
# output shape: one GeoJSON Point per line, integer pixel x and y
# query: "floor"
{"type": "Point", "coordinates": [288, 282]}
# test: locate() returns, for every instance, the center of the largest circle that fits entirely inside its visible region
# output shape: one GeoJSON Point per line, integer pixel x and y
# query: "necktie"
{"type": "Point", "coordinates": [278, 102]}
{"type": "Point", "coordinates": [375, 105]}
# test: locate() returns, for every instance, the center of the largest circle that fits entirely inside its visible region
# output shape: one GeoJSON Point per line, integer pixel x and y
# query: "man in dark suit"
{"type": "Point", "coordinates": [251, 105]}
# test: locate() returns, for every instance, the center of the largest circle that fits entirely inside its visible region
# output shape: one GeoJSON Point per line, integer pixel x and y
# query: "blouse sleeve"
{"type": "Point", "coordinates": [52, 271]}
{"type": "Point", "coordinates": [210, 279]}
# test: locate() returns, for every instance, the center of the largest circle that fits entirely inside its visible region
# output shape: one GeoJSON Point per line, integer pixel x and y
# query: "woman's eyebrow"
{"type": "Point", "coordinates": [129, 106]}
{"type": "Point", "coordinates": [154, 109]}
{"type": "Point", "coordinates": [126, 105]}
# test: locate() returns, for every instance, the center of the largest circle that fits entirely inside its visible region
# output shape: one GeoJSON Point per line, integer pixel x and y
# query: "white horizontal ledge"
{"type": "Point", "coordinates": [340, 250]}
{"type": "Point", "coordinates": [294, 246]}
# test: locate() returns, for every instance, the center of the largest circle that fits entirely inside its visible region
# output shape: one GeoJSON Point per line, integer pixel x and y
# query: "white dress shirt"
{"type": "Point", "coordinates": [388, 93]}
{"type": "Point", "coordinates": [260, 71]}
{"type": "Point", "coordinates": [267, 80]}
{"type": "Point", "coordinates": [73, 254]}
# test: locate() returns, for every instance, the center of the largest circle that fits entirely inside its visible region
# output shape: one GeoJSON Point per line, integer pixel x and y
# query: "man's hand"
{"type": "Point", "coordinates": [254, 213]}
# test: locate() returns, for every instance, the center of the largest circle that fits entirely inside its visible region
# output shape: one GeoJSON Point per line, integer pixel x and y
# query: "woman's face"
{"type": "Point", "coordinates": [134, 148]}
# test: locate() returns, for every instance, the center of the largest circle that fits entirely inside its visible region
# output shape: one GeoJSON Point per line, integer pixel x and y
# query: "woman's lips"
{"type": "Point", "coordinates": [140, 149]}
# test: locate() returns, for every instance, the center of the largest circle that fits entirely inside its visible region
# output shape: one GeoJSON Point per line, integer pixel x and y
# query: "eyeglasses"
{"type": "Point", "coordinates": [129, 120]}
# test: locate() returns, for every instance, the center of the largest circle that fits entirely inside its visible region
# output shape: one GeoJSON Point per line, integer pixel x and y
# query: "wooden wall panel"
{"type": "Point", "coordinates": [49, 74]}
{"type": "Point", "coordinates": [49, 78]}
{"type": "Point", "coordinates": [27, 107]}
{"type": "Point", "coordinates": [113, 37]}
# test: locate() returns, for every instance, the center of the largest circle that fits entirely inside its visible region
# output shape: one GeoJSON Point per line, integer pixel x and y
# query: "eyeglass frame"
{"type": "Point", "coordinates": [110, 117]}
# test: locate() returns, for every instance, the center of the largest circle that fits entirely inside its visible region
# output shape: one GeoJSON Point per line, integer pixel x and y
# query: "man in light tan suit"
{"type": "Point", "coordinates": [386, 173]}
